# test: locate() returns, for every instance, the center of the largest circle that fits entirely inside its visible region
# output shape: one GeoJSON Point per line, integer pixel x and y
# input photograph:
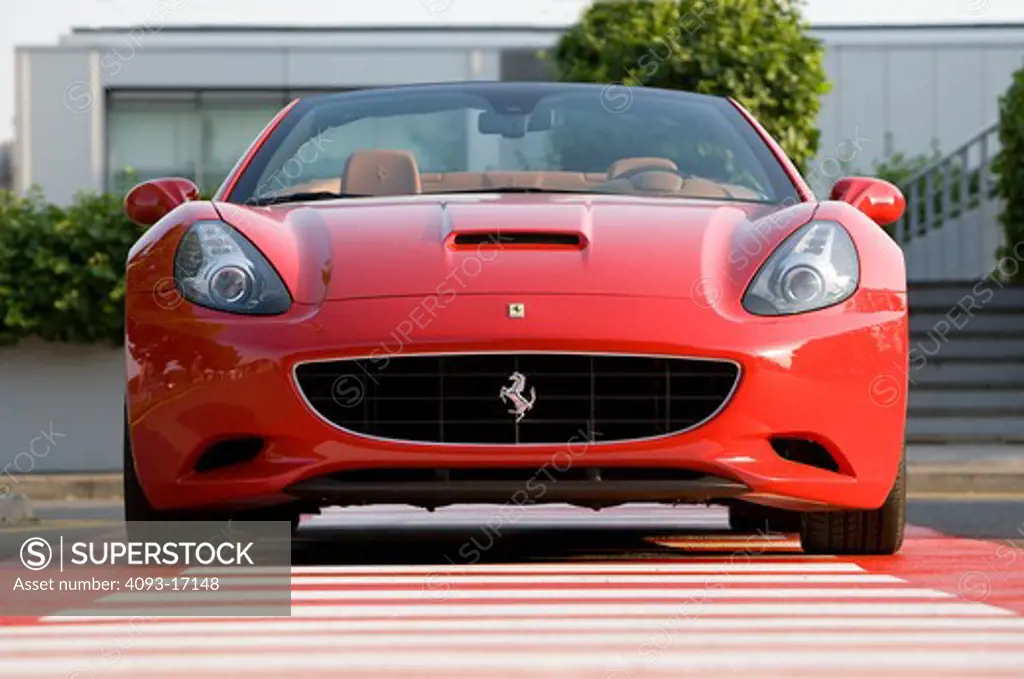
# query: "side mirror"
{"type": "Point", "coordinates": [148, 202]}
{"type": "Point", "coordinates": [877, 198]}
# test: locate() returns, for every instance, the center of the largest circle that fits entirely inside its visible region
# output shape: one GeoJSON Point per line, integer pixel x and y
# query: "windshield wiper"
{"type": "Point", "coordinates": [304, 196]}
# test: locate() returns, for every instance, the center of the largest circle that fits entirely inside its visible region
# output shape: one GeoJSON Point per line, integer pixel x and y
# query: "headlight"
{"type": "Point", "coordinates": [814, 268]}
{"type": "Point", "coordinates": [217, 267]}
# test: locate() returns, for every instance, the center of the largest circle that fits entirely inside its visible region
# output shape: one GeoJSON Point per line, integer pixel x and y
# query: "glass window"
{"type": "Point", "coordinates": [185, 134]}
{"type": "Point", "coordinates": [475, 137]}
{"type": "Point", "coordinates": [436, 140]}
{"type": "Point", "coordinates": [228, 130]}
{"type": "Point", "coordinates": [146, 140]}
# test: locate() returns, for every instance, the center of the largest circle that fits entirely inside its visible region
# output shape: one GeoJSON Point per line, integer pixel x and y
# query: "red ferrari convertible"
{"type": "Point", "coordinates": [510, 293]}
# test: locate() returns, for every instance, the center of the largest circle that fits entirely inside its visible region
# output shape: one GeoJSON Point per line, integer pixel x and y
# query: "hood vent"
{"type": "Point", "coordinates": [532, 239]}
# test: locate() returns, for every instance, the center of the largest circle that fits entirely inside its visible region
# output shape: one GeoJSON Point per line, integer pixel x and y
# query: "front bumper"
{"type": "Point", "coordinates": [836, 377]}
{"type": "Point", "coordinates": [538, 487]}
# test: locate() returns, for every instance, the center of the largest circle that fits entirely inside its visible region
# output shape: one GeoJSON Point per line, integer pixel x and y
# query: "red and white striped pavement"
{"type": "Point", "coordinates": [751, 607]}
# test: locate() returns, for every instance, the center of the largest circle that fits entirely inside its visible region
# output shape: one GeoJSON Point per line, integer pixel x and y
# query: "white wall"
{"type": "Point", "coordinates": [919, 94]}
{"type": "Point", "coordinates": [921, 86]}
{"type": "Point", "coordinates": [59, 123]}
{"type": "Point", "coordinates": [77, 391]}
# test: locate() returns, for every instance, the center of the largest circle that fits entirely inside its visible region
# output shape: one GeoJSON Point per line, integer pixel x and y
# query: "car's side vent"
{"type": "Point", "coordinates": [502, 239]}
{"type": "Point", "coordinates": [805, 452]}
{"type": "Point", "coordinates": [229, 453]}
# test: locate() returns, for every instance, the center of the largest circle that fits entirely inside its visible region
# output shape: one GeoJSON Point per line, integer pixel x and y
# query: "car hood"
{"type": "Point", "coordinates": [514, 244]}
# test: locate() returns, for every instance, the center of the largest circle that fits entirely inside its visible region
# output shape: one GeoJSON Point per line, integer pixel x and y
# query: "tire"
{"type": "Point", "coordinates": [860, 532]}
{"type": "Point", "coordinates": [747, 518]}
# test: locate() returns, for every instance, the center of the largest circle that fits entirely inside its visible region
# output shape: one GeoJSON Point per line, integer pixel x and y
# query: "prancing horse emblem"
{"type": "Point", "coordinates": [514, 393]}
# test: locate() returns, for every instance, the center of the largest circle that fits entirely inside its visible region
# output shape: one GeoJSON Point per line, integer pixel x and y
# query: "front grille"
{"type": "Point", "coordinates": [457, 398]}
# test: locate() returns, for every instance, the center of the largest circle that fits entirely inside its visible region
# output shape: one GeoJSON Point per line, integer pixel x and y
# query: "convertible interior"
{"type": "Point", "coordinates": [395, 173]}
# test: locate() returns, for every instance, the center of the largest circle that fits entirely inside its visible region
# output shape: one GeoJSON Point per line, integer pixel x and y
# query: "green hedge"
{"type": "Point", "coordinates": [62, 268]}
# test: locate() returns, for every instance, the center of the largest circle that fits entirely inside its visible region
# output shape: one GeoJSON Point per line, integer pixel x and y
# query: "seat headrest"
{"type": "Point", "coordinates": [624, 165]}
{"type": "Point", "coordinates": [381, 173]}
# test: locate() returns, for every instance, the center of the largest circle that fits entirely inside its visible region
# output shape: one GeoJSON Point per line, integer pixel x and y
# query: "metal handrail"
{"type": "Point", "coordinates": [939, 186]}
{"type": "Point", "coordinates": [954, 233]}
{"type": "Point", "coordinates": [931, 167]}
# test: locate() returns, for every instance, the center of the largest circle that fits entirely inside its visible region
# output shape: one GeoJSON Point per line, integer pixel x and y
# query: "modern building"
{"type": "Point", "coordinates": [105, 107]}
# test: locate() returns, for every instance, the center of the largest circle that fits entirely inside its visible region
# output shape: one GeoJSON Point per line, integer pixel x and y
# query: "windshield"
{"type": "Point", "coordinates": [513, 137]}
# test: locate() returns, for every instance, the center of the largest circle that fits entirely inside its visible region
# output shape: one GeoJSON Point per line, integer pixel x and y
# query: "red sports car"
{"type": "Point", "coordinates": [516, 293]}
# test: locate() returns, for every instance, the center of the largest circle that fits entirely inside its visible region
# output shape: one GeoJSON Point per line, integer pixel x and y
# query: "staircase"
{"type": "Point", "coordinates": [966, 328]}
{"type": "Point", "coordinates": [966, 382]}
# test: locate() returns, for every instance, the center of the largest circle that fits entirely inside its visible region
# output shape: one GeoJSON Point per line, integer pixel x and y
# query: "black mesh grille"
{"type": "Point", "coordinates": [457, 398]}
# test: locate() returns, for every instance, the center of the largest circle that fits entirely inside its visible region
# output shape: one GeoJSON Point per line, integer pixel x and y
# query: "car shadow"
{"type": "Point", "coordinates": [469, 545]}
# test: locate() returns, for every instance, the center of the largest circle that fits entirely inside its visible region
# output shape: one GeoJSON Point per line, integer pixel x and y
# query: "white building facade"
{"type": "Point", "coordinates": [106, 107]}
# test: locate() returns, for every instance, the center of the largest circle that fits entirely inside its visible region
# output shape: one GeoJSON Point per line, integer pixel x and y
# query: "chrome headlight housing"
{"type": "Point", "coordinates": [217, 267]}
{"type": "Point", "coordinates": [815, 267]}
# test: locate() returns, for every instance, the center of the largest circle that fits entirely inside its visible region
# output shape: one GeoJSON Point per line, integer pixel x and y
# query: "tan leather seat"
{"type": "Point", "coordinates": [624, 165]}
{"type": "Point", "coordinates": [381, 173]}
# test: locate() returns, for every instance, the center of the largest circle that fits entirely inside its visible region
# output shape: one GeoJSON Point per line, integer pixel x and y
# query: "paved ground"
{"type": "Point", "coordinates": [971, 517]}
{"type": "Point", "coordinates": [966, 453]}
{"type": "Point", "coordinates": [624, 594]}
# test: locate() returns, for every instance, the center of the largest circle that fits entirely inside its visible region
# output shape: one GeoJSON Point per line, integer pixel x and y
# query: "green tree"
{"type": "Point", "coordinates": [1009, 166]}
{"type": "Point", "coordinates": [756, 51]}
